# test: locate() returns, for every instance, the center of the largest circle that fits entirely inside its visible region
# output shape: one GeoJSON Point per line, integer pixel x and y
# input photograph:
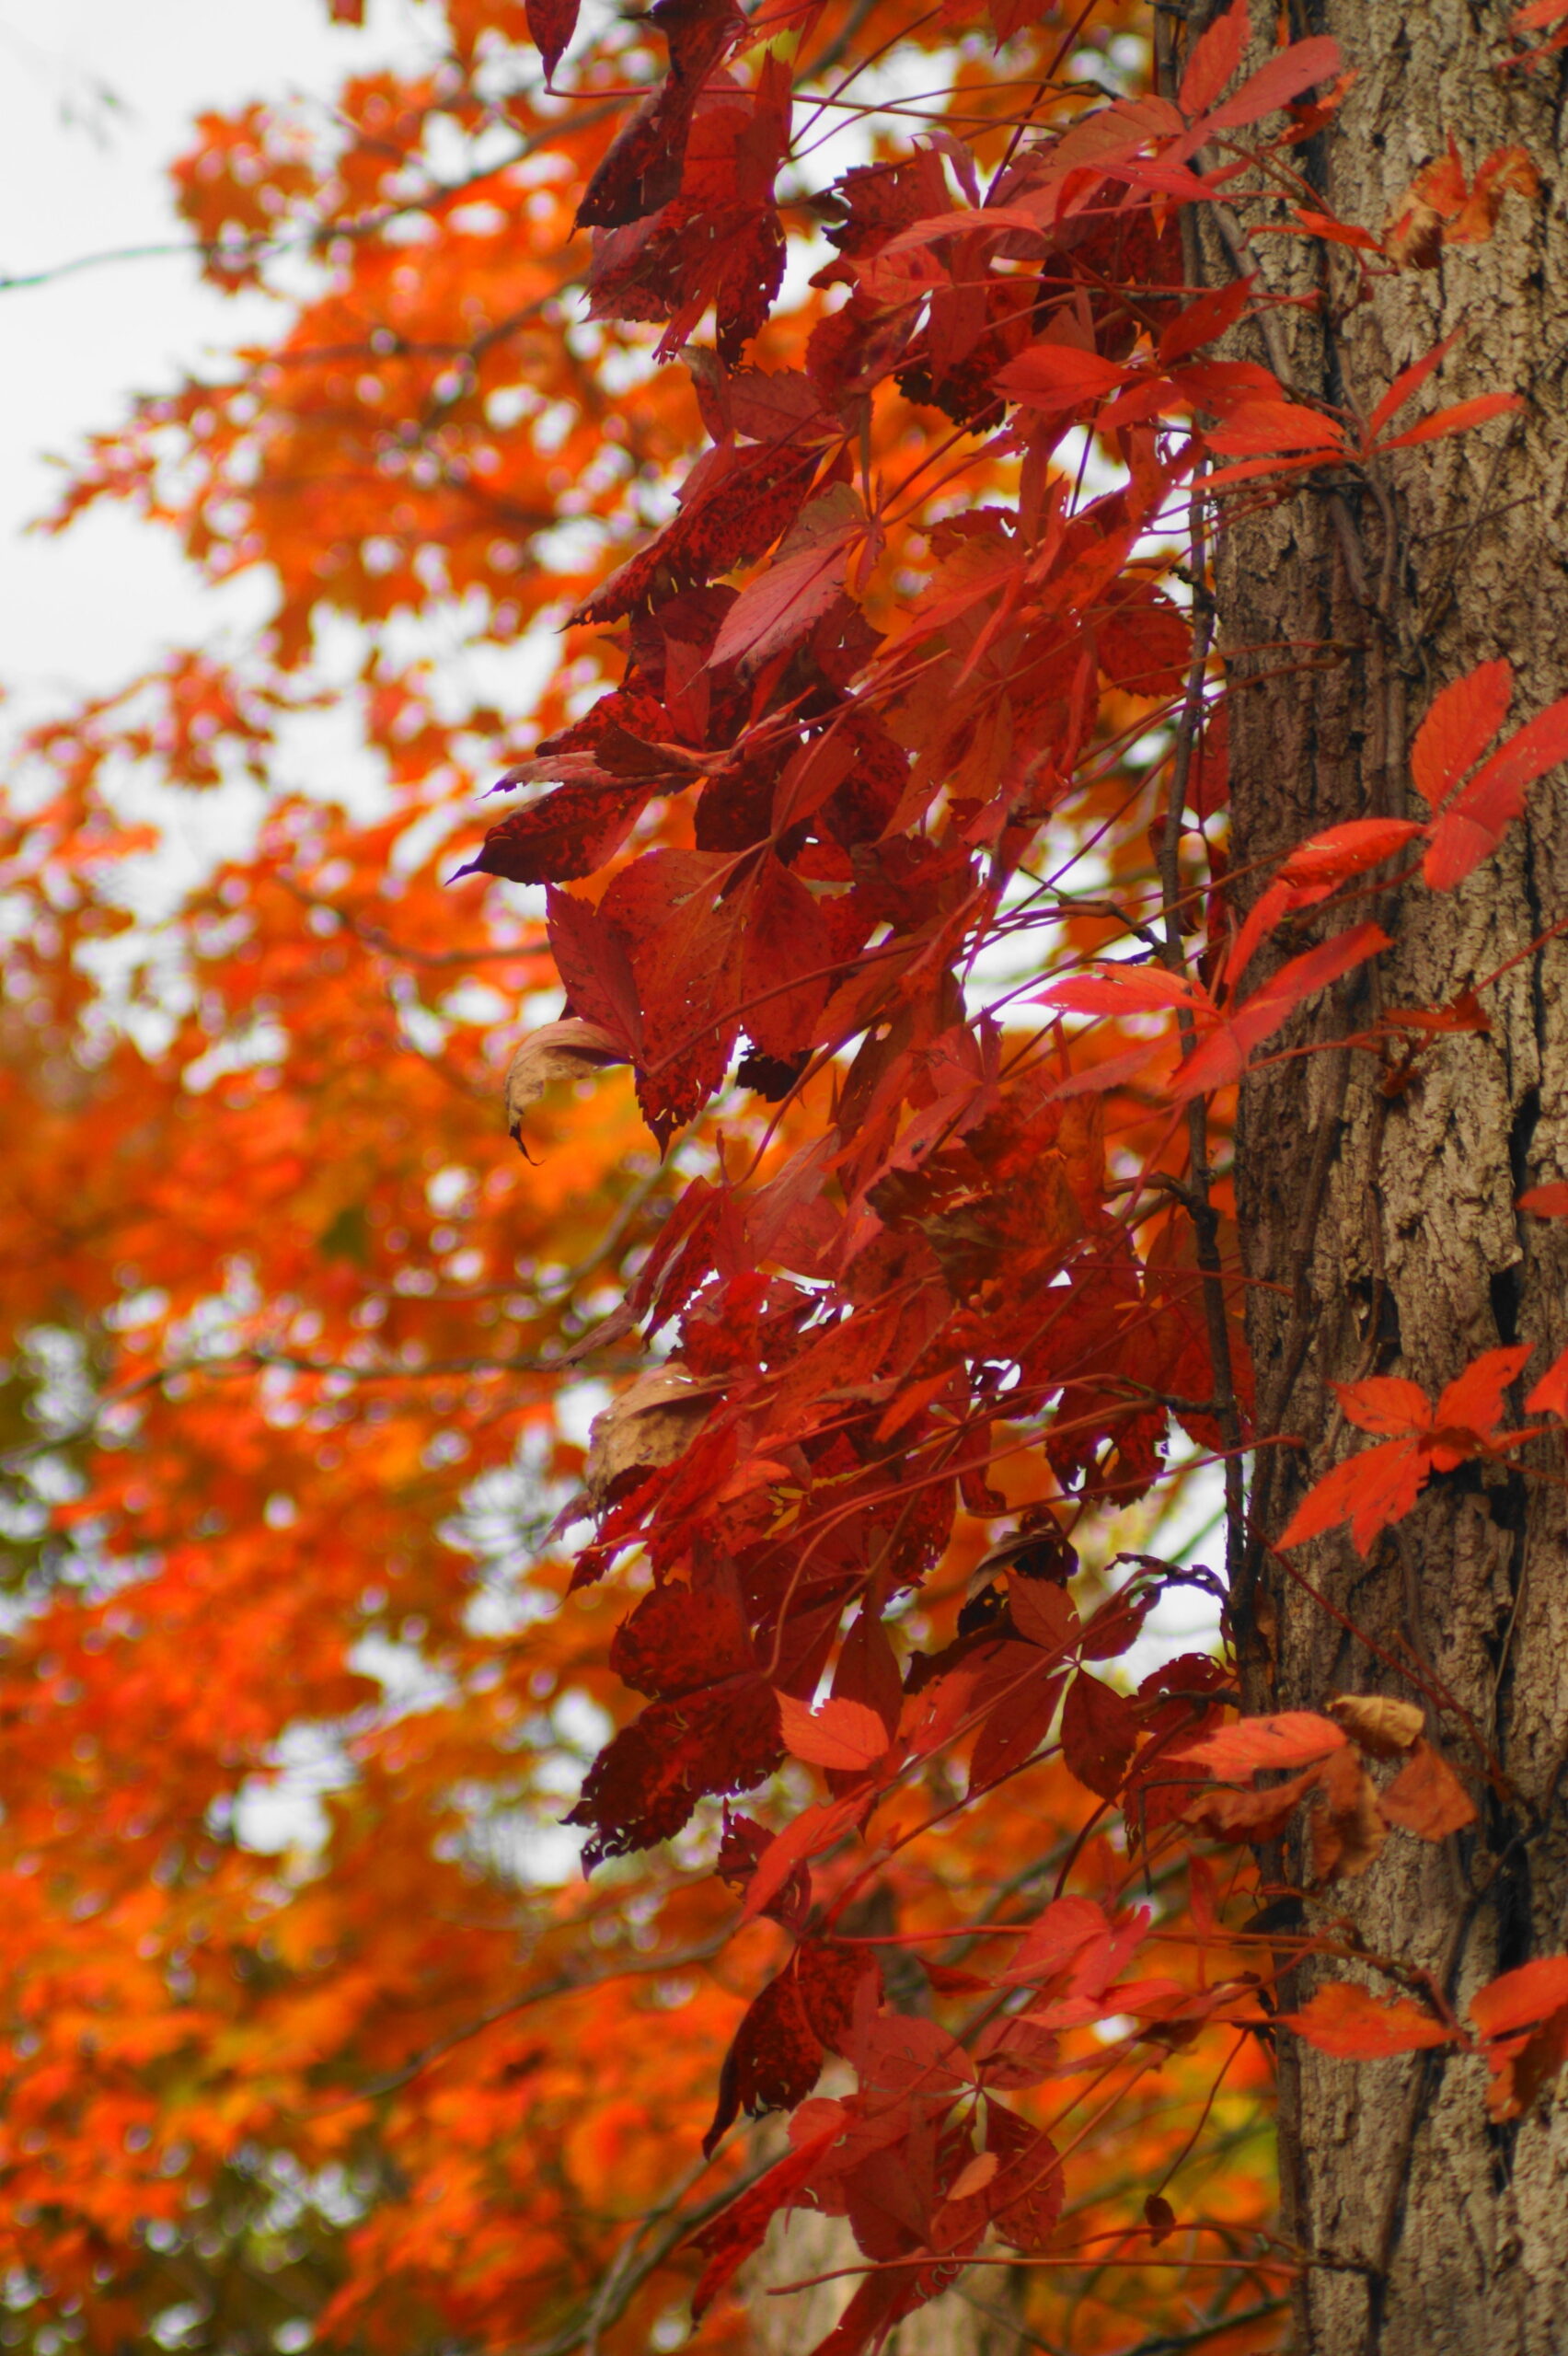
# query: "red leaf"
{"type": "Point", "coordinates": [1027, 2196]}
{"type": "Point", "coordinates": [682, 942]}
{"type": "Point", "coordinates": [1410, 380]}
{"type": "Point", "coordinates": [1056, 377]}
{"type": "Point", "coordinates": [1461, 724]}
{"type": "Point", "coordinates": [783, 604]}
{"type": "Point", "coordinates": [570, 832]}
{"type": "Point", "coordinates": [785, 954]}
{"type": "Point", "coordinates": [1126, 990]}
{"type": "Point", "coordinates": [1546, 1202]}
{"type": "Point", "coordinates": [729, 2239]}
{"type": "Point", "coordinates": [1259, 426]}
{"type": "Point", "coordinates": [1057, 1935]}
{"type": "Point", "coordinates": [867, 1670]}
{"type": "Point", "coordinates": [643, 1787]}
{"type": "Point", "coordinates": [678, 1641]}
{"type": "Point", "coordinates": [813, 1830]}
{"type": "Point", "coordinates": [898, 2053]}
{"type": "Point", "coordinates": [1458, 420]}
{"type": "Point", "coordinates": [1475, 824]}
{"type": "Point", "coordinates": [1473, 1401]}
{"type": "Point", "coordinates": [1523, 2069]}
{"type": "Point", "coordinates": [1216, 55]}
{"type": "Point", "coordinates": [551, 24]}
{"type": "Point", "coordinates": [1352, 2023]}
{"type": "Point", "coordinates": [1213, 315]}
{"type": "Point", "coordinates": [593, 967]}
{"type": "Point", "coordinates": [1249, 1816]}
{"type": "Point", "coordinates": [1550, 1396]}
{"type": "Point", "coordinates": [640, 170]}
{"type": "Point", "coordinates": [776, 2056]}
{"type": "Point", "coordinates": [1519, 1998]}
{"type": "Point", "coordinates": [1368, 1491]}
{"type": "Point", "coordinates": [1310, 874]}
{"type": "Point", "coordinates": [1387, 1404]}
{"type": "Point", "coordinates": [773, 2062]}
{"type": "Point", "coordinates": [1296, 69]}
{"type": "Point", "coordinates": [1339, 232]}
{"type": "Point", "coordinates": [1019, 1694]}
{"type": "Point", "coordinates": [1223, 1057]}
{"type": "Point", "coordinates": [1100, 1733]}
{"type": "Point", "coordinates": [1289, 1739]}
{"type": "Point", "coordinates": [1343, 851]}
{"type": "Point", "coordinates": [848, 1735]}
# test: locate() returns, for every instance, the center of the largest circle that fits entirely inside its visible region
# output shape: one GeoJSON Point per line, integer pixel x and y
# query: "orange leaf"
{"type": "Point", "coordinates": [1290, 1738]}
{"type": "Point", "coordinates": [1368, 1491]}
{"type": "Point", "coordinates": [1473, 1401]}
{"type": "Point", "coordinates": [1521, 1998]}
{"type": "Point", "coordinates": [1426, 1797]}
{"type": "Point", "coordinates": [1379, 1724]}
{"type": "Point", "coordinates": [1458, 420]}
{"type": "Point", "coordinates": [1352, 2023]}
{"type": "Point", "coordinates": [842, 1734]}
{"type": "Point", "coordinates": [1546, 1202]}
{"type": "Point", "coordinates": [1386, 1403]}
{"type": "Point", "coordinates": [1550, 1396]}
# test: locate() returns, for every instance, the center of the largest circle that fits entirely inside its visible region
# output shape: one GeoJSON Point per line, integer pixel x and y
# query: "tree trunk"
{"type": "Point", "coordinates": [1378, 1229]}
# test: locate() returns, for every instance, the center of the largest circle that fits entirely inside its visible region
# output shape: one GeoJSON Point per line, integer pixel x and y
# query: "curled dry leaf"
{"type": "Point", "coordinates": [648, 1426]}
{"type": "Point", "coordinates": [1347, 1827]}
{"type": "Point", "coordinates": [1379, 1724]}
{"type": "Point", "coordinates": [570, 1049]}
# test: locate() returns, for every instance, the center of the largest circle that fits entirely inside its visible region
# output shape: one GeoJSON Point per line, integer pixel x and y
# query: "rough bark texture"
{"type": "Point", "coordinates": [1378, 1232]}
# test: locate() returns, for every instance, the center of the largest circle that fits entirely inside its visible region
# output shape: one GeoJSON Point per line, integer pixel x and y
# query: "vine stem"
{"type": "Point", "coordinates": [1205, 1222]}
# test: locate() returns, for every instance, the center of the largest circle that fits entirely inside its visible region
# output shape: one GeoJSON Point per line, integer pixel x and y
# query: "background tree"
{"type": "Point", "coordinates": [863, 1311]}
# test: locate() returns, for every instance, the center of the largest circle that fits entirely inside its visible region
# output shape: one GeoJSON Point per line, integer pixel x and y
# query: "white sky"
{"type": "Point", "coordinates": [81, 176]}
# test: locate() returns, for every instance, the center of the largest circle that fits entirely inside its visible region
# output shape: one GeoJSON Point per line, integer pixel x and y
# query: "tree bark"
{"type": "Point", "coordinates": [1378, 1229]}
